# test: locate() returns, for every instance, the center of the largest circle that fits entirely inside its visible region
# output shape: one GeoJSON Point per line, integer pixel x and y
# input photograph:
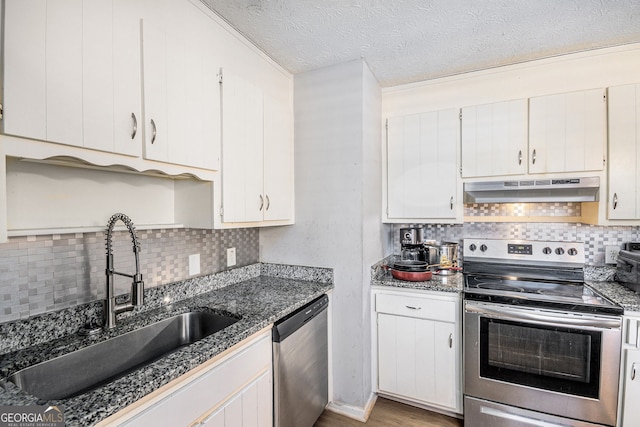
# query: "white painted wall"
{"type": "Point", "coordinates": [338, 223]}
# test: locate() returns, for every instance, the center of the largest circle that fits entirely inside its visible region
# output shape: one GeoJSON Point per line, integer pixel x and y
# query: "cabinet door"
{"type": "Point", "coordinates": [250, 407]}
{"type": "Point", "coordinates": [567, 132]}
{"type": "Point", "coordinates": [181, 91]}
{"type": "Point", "coordinates": [631, 389]}
{"type": "Point", "coordinates": [494, 139]}
{"type": "Point", "coordinates": [25, 105]}
{"type": "Point", "coordinates": [417, 359]}
{"type": "Point", "coordinates": [242, 148]}
{"type": "Point", "coordinates": [155, 90]}
{"type": "Point", "coordinates": [127, 101]}
{"type": "Point", "coordinates": [97, 75]}
{"type": "Point", "coordinates": [278, 160]}
{"type": "Point", "coordinates": [64, 72]}
{"type": "Point", "coordinates": [624, 152]}
{"type": "Point", "coordinates": [422, 170]}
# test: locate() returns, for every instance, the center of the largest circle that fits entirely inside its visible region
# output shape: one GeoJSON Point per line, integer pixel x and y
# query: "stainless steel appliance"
{"type": "Point", "coordinates": [540, 346]}
{"type": "Point", "coordinates": [533, 190]}
{"type": "Point", "coordinates": [300, 365]}
{"type": "Point", "coordinates": [412, 248]}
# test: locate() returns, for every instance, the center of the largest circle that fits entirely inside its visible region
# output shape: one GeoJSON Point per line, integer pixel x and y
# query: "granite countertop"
{"type": "Point", "coordinates": [617, 293]}
{"type": "Point", "coordinates": [260, 296]}
{"type": "Point", "coordinates": [380, 276]}
{"type": "Point", "coordinates": [600, 279]}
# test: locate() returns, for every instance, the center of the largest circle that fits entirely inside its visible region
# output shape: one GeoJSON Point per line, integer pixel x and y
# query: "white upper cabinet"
{"type": "Point", "coordinates": [242, 172]}
{"type": "Point", "coordinates": [567, 132]}
{"type": "Point", "coordinates": [72, 73]}
{"type": "Point", "coordinates": [624, 152]}
{"type": "Point", "coordinates": [25, 79]}
{"type": "Point", "coordinates": [422, 167]}
{"type": "Point", "coordinates": [181, 90]}
{"type": "Point", "coordinates": [494, 139]}
{"type": "Point", "coordinates": [257, 172]}
{"type": "Point", "coordinates": [64, 72]}
{"type": "Point", "coordinates": [73, 76]}
{"type": "Point", "coordinates": [278, 160]}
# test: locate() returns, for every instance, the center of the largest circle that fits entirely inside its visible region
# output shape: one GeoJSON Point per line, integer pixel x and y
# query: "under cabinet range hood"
{"type": "Point", "coordinates": [533, 191]}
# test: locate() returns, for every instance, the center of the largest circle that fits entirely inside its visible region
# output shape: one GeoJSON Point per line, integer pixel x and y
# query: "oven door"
{"type": "Point", "coordinates": [561, 363]}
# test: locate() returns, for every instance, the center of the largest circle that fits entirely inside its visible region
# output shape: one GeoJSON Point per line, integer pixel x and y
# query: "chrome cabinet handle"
{"type": "Point", "coordinates": [134, 131]}
{"type": "Point", "coordinates": [154, 132]}
{"type": "Point", "coordinates": [268, 202]}
{"type": "Point", "coordinates": [633, 372]}
{"type": "Point", "coordinates": [450, 340]}
{"type": "Point", "coordinates": [615, 200]}
{"type": "Point", "coordinates": [533, 157]}
{"type": "Point", "coordinates": [519, 157]}
{"type": "Point", "coordinates": [413, 308]}
{"type": "Point", "coordinates": [261, 202]}
{"type": "Point", "coordinates": [451, 203]}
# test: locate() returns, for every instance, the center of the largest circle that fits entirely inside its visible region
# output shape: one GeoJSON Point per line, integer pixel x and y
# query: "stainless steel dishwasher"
{"type": "Point", "coordinates": [300, 365]}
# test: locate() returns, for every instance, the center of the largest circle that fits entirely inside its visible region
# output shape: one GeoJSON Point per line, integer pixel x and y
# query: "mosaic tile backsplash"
{"type": "Point", "coordinates": [594, 237]}
{"type": "Point", "coordinates": [45, 273]}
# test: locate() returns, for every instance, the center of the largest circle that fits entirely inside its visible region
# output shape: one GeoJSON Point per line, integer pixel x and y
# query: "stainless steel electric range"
{"type": "Point", "coordinates": [540, 347]}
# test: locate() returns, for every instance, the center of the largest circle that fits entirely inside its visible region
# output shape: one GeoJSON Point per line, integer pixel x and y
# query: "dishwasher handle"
{"type": "Point", "coordinates": [294, 321]}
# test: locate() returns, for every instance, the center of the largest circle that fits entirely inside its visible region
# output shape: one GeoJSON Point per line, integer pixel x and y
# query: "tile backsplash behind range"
{"type": "Point", "coordinates": [44, 273]}
{"type": "Point", "coordinates": [594, 237]}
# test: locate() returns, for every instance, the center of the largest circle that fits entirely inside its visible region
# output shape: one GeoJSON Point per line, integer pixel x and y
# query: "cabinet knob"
{"type": "Point", "coordinates": [451, 203]}
{"type": "Point", "coordinates": [268, 203]}
{"type": "Point", "coordinates": [413, 308]}
{"type": "Point", "coordinates": [533, 157]}
{"type": "Point", "coordinates": [261, 202]}
{"type": "Point", "coordinates": [615, 200]}
{"type": "Point", "coordinates": [519, 157]}
{"type": "Point", "coordinates": [633, 372]}
{"type": "Point", "coordinates": [134, 130]}
{"type": "Point", "coordinates": [450, 340]}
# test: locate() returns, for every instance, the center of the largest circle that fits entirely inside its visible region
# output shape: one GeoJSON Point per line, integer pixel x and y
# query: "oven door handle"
{"type": "Point", "coordinates": [507, 313]}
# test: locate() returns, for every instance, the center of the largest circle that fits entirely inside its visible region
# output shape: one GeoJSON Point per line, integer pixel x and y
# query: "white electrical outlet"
{"type": "Point", "coordinates": [231, 257]}
{"type": "Point", "coordinates": [194, 264]}
{"type": "Point", "coordinates": [611, 254]}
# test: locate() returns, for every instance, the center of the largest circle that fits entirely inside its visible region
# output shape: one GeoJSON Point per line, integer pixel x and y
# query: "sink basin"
{"type": "Point", "coordinates": [82, 370]}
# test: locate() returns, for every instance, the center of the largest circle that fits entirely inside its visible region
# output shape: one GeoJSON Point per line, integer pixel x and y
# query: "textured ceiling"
{"type": "Point", "coordinates": [411, 40]}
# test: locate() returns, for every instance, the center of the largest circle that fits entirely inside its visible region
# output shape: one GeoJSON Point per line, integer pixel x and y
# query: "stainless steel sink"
{"type": "Point", "coordinates": [85, 369]}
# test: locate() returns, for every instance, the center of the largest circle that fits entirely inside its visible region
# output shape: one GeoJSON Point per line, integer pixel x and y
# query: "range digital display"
{"type": "Point", "coordinates": [519, 249]}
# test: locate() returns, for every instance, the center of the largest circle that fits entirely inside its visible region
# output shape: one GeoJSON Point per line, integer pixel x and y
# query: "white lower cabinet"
{"type": "Point", "coordinates": [628, 413]}
{"type": "Point", "coordinates": [235, 391]}
{"type": "Point", "coordinates": [418, 348]}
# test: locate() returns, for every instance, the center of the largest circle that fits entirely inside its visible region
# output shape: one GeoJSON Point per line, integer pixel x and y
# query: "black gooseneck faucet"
{"type": "Point", "coordinates": [112, 308]}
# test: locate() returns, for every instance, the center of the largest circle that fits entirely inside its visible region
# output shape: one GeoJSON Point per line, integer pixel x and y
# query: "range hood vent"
{"type": "Point", "coordinates": [533, 191]}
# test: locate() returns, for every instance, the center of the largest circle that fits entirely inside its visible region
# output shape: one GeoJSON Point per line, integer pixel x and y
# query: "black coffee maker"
{"type": "Point", "coordinates": [411, 244]}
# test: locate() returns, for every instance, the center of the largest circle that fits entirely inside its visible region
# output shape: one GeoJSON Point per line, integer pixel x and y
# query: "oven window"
{"type": "Point", "coordinates": [550, 358]}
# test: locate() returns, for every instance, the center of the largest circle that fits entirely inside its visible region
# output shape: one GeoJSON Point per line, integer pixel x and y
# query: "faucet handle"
{"type": "Point", "coordinates": [137, 290]}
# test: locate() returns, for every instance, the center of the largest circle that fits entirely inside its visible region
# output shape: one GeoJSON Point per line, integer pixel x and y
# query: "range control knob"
{"type": "Point", "coordinates": [572, 251]}
{"type": "Point", "coordinates": [559, 251]}
{"type": "Point", "coordinates": [473, 247]}
{"type": "Point", "coordinates": [546, 250]}
{"type": "Point", "coordinates": [483, 247]}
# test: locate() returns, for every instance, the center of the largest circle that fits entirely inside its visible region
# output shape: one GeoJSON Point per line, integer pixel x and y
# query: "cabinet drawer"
{"type": "Point", "coordinates": [423, 308]}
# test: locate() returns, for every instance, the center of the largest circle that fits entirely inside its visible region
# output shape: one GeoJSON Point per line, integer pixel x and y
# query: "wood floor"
{"type": "Point", "coordinates": [389, 413]}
